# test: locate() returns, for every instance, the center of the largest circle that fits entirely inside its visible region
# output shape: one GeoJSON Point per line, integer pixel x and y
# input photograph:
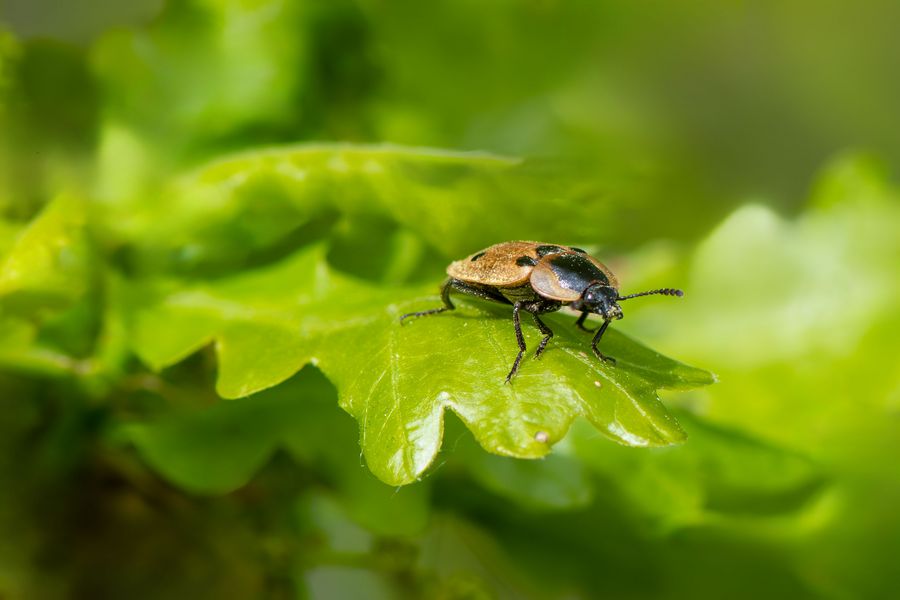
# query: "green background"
{"type": "Point", "coordinates": [205, 199]}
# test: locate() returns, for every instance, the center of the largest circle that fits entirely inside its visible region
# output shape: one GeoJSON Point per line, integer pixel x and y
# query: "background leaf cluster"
{"type": "Point", "coordinates": [205, 199]}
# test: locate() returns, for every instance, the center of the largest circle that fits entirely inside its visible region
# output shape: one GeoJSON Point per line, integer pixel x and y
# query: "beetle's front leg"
{"type": "Point", "coordinates": [580, 322]}
{"type": "Point", "coordinates": [596, 340]}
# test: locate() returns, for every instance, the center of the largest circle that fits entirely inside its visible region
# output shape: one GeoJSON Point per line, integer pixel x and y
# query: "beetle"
{"type": "Point", "coordinates": [539, 278]}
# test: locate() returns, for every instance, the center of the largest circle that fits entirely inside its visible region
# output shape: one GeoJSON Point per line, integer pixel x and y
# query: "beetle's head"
{"type": "Point", "coordinates": [604, 300]}
{"type": "Point", "coordinates": [600, 299]}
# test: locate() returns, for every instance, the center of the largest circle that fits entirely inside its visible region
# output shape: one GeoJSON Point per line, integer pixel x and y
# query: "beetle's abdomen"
{"type": "Point", "coordinates": [499, 265]}
{"type": "Point", "coordinates": [522, 293]}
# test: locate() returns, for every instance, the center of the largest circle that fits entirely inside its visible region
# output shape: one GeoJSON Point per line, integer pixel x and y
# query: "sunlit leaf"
{"type": "Point", "coordinates": [398, 380]}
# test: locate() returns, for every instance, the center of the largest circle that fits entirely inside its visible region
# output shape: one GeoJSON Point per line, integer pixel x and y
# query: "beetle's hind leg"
{"type": "Point", "coordinates": [445, 298]}
{"type": "Point", "coordinates": [463, 288]}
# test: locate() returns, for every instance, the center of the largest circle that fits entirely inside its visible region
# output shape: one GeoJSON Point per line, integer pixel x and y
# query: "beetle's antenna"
{"type": "Point", "coordinates": [662, 292]}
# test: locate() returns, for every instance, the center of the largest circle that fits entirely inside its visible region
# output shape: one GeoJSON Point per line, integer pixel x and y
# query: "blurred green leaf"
{"type": "Point", "coordinates": [720, 473]}
{"type": "Point", "coordinates": [45, 141]}
{"type": "Point", "coordinates": [801, 318]}
{"type": "Point", "coordinates": [9, 232]}
{"type": "Point", "coordinates": [267, 324]}
{"type": "Point", "coordinates": [8, 50]}
{"type": "Point", "coordinates": [212, 451]}
{"type": "Point", "coordinates": [453, 201]}
{"type": "Point", "coordinates": [346, 582]}
{"type": "Point", "coordinates": [555, 482]}
{"type": "Point", "coordinates": [245, 53]}
{"type": "Point", "coordinates": [45, 273]}
{"type": "Point", "coordinates": [220, 448]}
{"type": "Point", "coordinates": [469, 563]}
{"type": "Point", "coordinates": [807, 287]}
{"type": "Point", "coordinates": [49, 259]}
{"type": "Point", "coordinates": [20, 350]}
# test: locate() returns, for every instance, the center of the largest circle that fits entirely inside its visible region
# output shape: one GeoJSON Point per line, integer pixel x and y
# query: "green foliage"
{"type": "Point", "coordinates": [213, 213]}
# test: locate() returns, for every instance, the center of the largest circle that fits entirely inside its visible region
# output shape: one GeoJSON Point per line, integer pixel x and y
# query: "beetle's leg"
{"type": "Point", "coordinates": [548, 333]}
{"type": "Point", "coordinates": [580, 323]}
{"type": "Point", "coordinates": [519, 338]}
{"type": "Point", "coordinates": [596, 340]}
{"type": "Point", "coordinates": [463, 288]}
{"type": "Point", "coordinates": [445, 298]}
